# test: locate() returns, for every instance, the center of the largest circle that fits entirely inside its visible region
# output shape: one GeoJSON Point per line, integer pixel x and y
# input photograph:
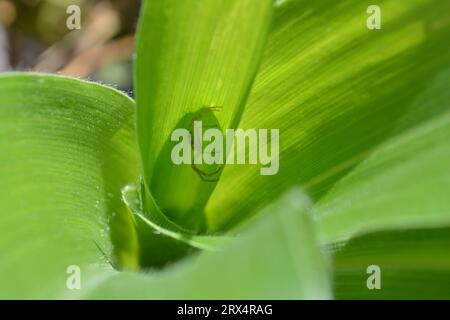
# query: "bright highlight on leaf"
{"type": "Point", "coordinates": [335, 90]}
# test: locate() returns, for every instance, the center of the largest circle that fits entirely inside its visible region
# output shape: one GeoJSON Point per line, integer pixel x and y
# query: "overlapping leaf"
{"type": "Point", "coordinates": [412, 264]}
{"type": "Point", "coordinates": [364, 121]}
{"type": "Point", "coordinates": [277, 257]}
{"type": "Point", "coordinates": [192, 56]}
{"type": "Point", "coordinates": [336, 90]}
{"type": "Point", "coordinates": [402, 184]}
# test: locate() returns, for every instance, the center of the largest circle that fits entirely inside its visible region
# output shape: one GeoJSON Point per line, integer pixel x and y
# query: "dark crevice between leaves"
{"type": "Point", "coordinates": [182, 190]}
{"type": "Point", "coordinates": [161, 241]}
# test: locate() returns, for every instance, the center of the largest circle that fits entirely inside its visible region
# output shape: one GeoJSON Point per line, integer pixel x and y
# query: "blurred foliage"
{"type": "Point", "coordinates": [38, 39]}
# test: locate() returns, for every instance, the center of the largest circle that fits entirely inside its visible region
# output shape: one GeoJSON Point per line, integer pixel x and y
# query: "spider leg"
{"type": "Point", "coordinates": [205, 175]}
{"type": "Point", "coordinates": [215, 108]}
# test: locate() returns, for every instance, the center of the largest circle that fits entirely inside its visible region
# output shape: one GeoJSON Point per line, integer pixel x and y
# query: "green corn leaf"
{"type": "Point", "coordinates": [364, 117]}
{"type": "Point", "coordinates": [276, 257]}
{"type": "Point", "coordinates": [397, 195]}
{"type": "Point", "coordinates": [402, 184]}
{"type": "Point", "coordinates": [60, 140]}
{"type": "Point", "coordinates": [336, 90]}
{"type": "Point", "coordinates": [195, 60]}
{"type": "Point", "coordinates": [413, 264]}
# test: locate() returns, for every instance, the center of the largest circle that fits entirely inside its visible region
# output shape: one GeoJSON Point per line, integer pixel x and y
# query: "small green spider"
{"type": "Point", "coordinates": [202, 115]}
